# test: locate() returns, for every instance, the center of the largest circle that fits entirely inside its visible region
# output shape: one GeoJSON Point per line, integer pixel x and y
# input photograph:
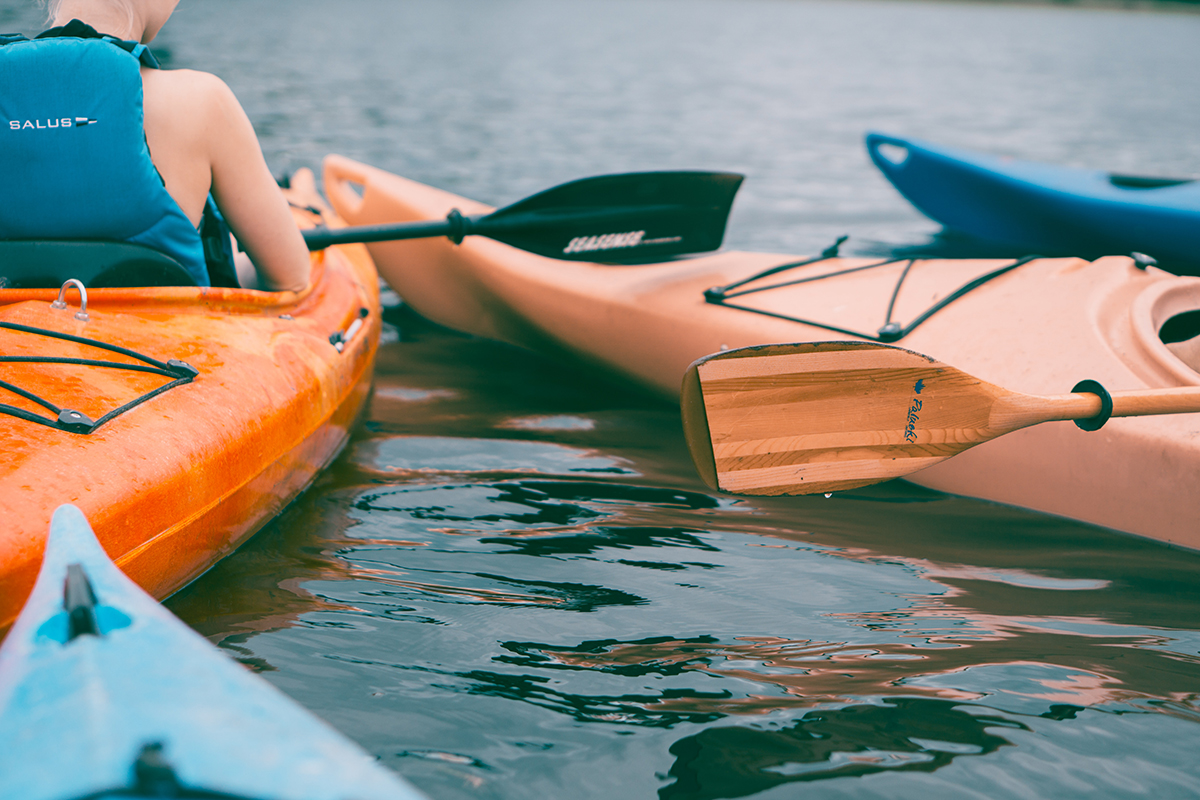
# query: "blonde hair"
{"type": "Point", "coordinates": [52, 7]}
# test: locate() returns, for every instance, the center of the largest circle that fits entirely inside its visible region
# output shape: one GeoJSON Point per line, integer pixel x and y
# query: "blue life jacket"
{"type": "Point", "coordinates": [73, 152]}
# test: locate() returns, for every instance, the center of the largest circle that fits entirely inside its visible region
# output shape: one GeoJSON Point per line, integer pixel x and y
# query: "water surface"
{"type": "Point", "coordinates": [513, 585]}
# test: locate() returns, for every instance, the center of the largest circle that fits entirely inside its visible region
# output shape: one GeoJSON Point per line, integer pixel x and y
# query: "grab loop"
{"type": "Point", "coordinates": [79, 601]}
{"type": "Point", "coordinates": [61, 302]}
{"type": "Point", "coordinates": [340, 339]}
{"type": "Point", "coordinates": [1106, 405]}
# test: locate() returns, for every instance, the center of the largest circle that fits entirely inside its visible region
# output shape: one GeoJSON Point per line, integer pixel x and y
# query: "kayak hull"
{"type": "Point", "coordinates": [180, 480]}
{"type": "Point", "coordinates": [143, 694]}
{"type": "Point", "coordinates": [1044, 207]}
{"type": "Point", "coordinates": [1038, 328]}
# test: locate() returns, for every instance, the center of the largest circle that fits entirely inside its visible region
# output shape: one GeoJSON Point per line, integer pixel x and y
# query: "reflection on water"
{"type": "Point", "coordinates": [437, 454]}
{"type": "Point", "coordinates": [897, 734]}
{"type": "Point", "coordinates": [497, 609]}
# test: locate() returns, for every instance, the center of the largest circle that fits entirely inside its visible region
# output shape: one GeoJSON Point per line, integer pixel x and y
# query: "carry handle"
{"type": "Point", "coordinates": [878, 145]}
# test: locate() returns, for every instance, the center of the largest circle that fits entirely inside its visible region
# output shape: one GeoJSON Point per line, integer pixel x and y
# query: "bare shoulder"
{"type": "Point", "coordinates": [192, 122]}
{"type": "Point", "coordinates": [194, 113]}
{"type": "Point", "coordinates": [188, 92]}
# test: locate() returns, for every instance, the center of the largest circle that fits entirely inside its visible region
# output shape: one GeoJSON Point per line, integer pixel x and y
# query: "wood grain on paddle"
{"type": "Point", "coordinates": [825, 417]}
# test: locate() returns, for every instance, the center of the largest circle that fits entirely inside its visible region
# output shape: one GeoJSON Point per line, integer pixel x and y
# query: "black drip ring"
{"type": "Point", "coordinates": [458, 226]}
{"type": "Point", "coordinates": [1106, 405]}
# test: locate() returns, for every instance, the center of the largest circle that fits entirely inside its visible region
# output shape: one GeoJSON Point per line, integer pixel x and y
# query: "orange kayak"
{"type": "Point", "coordinates": [1038, 326]}
{"type": "Point", "coordinates": [213, 409]}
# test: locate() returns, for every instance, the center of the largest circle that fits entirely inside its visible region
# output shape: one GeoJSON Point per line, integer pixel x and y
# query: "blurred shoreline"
{"type": "Point", "coordinates": [1163, 6]}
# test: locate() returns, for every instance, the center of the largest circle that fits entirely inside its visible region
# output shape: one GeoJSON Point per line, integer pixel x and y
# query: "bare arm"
{"type": "Point", "coordinates": [201, 141]}
{"type": "Point", "coordinates": [249, 198]}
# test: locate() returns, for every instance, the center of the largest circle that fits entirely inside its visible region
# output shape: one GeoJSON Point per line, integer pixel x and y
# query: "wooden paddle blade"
{"type": "Point", "coordinates": [830, 416]}
{"type": "Point", "coordinates": [635, 217]}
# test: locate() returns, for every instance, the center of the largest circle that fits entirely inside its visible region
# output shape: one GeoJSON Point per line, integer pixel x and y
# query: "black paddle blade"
{"type": "Point", "coordinates": [635, 217]}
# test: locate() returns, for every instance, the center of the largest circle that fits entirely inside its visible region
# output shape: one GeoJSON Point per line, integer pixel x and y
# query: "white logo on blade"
{"type": "Point", "coordinates": [46, 124]}
{"type": "Point", "coordinates": [609, 241]}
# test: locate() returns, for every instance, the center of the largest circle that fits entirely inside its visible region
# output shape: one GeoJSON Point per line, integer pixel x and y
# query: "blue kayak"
{"type": "Point", "coordinates": [105, 694]}
{"type": "Point", "coordinates": [1044, 208]}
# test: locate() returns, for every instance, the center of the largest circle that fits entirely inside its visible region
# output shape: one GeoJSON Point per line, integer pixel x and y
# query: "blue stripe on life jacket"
{"type": "Point", "coordinates": [73, 150]}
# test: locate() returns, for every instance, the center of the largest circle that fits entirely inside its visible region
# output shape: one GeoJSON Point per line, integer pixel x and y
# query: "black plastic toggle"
{"type": "Point", "coordinates": [891, 332]}
{"type": "Point", "coordinates": [182, 368]}
{"type": "Point", "coordinates": [153, 775]}
{"type": "Point", "coordinates": [714, 294]}
{"type": "Point", "coordinates": [75, 421]}
{"type": "Point", "coordinates": [79, 601]}
{"type": "Point", "coordinates": [1141, 260]}
{"type": "Point", "coordinates": [1106, 405]}
{"type": "Point", "coordinates": [832, 250]}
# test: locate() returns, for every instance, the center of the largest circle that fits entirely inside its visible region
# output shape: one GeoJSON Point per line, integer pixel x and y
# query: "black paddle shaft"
{"type": "Point", "coordinates": [641, 216]}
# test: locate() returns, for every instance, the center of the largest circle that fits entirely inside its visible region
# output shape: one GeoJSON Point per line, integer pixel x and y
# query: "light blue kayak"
{"type": "Point", "coordinates": [105, 694]}
{"type": "Point", "coordinates": [1046, 209]}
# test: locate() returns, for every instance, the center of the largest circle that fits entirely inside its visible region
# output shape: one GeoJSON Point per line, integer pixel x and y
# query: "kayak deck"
{"type": "Point", "coordinates": [1039, 328]}
{"type": "Point", "coordinates": [104, 693]}
{"type": "Point", "coordinates": [180, 479]}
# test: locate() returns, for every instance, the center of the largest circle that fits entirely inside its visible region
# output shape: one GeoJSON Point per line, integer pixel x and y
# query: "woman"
{"type": "Point", "coordinates": [200, 141]}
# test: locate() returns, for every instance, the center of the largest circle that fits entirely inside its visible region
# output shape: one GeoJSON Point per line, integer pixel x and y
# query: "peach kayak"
{"type": "Point", "coordinates": [1037, 326]}
{"type": "Point", "coordinates": [180, 420]}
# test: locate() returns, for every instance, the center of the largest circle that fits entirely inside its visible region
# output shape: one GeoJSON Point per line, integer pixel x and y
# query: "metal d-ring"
{"type": "Point", "coordinates": [61, 302]}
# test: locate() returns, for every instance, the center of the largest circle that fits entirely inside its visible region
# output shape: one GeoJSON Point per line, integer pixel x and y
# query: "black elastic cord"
{"type": "Point", "coordinates": [74, 421]}
{"type": "Point", "coordinates": [28, 416]}
{"type": "Point", "coordinates": [893, 330]}
{"type": "Point", "coordinates": [1106, 405]}
{"type": "Point", "coordinates": [962, 290]}
{"type": "Point", "coordinates": [17, 390]}
{"type": "Point", "coordinates": [821, 325]}
{"type": "Point", "coordinates": [717, 293]}
{"type": "Point", "coordinates": [889, 332]}
{"type": "Point", "coordinates": [112, 348]}
{"type": "Point", "coordinates": [138, 401]}
{"type": "Point", "coordinates": [86, 362]}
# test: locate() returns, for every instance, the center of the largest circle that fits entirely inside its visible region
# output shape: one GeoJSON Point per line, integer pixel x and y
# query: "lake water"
{"type": "Point", "coordinates": [512, 585]}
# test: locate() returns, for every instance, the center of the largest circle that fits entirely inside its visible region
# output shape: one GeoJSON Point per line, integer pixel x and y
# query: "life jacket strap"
{"type": "Point", "coordinates": [218, 248]}
{"type": "Point", "coordinates": [81, 30]}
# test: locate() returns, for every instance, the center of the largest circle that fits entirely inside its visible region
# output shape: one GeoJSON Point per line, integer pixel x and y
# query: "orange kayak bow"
{"type": "Point", "coordinates": [179, 420]}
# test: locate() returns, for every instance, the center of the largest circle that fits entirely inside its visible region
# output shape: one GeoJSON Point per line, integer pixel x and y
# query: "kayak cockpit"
{"type": "Point", "coordinates": [1181, 335]}
{"type": "Point", "coordinates": [1143, 182]}
{"type": "Point", "coordinates": [1165, 318]}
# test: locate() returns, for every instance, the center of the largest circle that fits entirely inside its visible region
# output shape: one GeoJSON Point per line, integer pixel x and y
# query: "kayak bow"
{"type": "Point", "coordinates": [103, 693]}
{"type": "Point", "coordinates": [179, 419]}
{"type": "Point", "coordinates": [1043, 207]}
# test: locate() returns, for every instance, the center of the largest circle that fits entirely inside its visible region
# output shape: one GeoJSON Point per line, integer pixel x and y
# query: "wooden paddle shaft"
{"type": "Point", "coordinates": [1018, 410]}
{"type": "Point", "coordinates": [1180, 400]}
